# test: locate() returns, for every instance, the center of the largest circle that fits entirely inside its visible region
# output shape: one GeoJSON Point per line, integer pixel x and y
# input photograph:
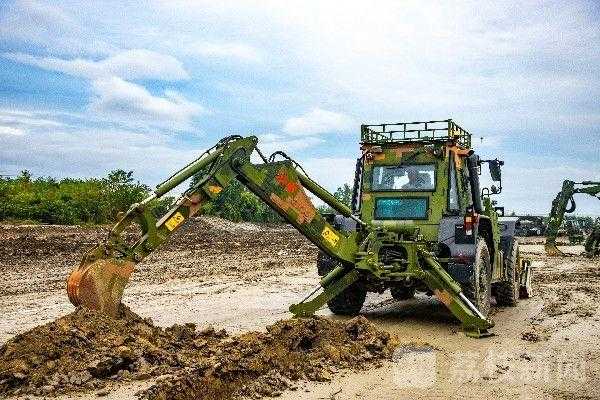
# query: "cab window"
{"type": "Point", "coordinates": [408, 178]}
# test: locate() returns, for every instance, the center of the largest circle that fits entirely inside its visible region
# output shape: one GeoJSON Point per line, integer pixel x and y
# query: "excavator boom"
{"type": "Point", "coordinates": [100, 279]}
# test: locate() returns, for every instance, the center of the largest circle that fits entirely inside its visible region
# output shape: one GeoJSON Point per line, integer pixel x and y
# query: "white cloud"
{"type": "Point", "coordinates": [124, 100]}
{"type": "Point", "coordinates": [82, 150]}
{"type": "Point", "coordinates": [8, 130]}
{"type": "Point", "coordinates": [330, 172]}
{"type": "Point", "coordinates": [318, 121]}
{"type": "Point", "coordinates": [16, 119]}
{"type": "Point", "coordinates": [129, 64]}
{"type": "Point", "coordinates": [268, 143]}
{"type": "Point", "coordinates": [32, 22]}
{"type": "Point", "coordinates": [238, 51]}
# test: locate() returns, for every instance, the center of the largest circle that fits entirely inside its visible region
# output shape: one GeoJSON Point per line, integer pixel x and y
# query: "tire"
{"type": "Point", "coordinates": [507, 292]}
{"type": "Point", "coordinates": [478, 290]}
{"type": "Point", "coordinates": [402, 293]}
{"type": "Point", "coordinates": [351, 299]}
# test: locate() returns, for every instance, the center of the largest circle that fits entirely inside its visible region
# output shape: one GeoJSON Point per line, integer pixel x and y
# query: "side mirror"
{"type": "Point", "coordinates": [495, 170]}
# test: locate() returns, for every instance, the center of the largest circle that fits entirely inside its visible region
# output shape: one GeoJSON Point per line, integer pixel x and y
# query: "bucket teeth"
{"type": "Point", "coordinates": [98, 285]}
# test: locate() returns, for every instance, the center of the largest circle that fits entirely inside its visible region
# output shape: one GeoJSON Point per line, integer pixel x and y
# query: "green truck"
{"type": "Point", "coordinates": [419, 222]}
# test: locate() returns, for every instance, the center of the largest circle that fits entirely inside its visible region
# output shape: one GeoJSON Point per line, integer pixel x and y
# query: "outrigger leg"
{"type": "Point", "coordinates": [450, 293]}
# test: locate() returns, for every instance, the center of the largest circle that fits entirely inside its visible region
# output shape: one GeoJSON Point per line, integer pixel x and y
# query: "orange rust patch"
{"type": "Point", "coordinates": [215, 189]}
{"type": "Point", "coordinates": [458, 154]}
{"type": "Point", "coordinates": [443, 296]}
{"type": "Point", "coordinates": [299, 203]}
{"type": "Point", "coordinates": [379, 156]}
{"type": "Point", "coordinates": [122, 269]}
{"type": "Point", "coordinates": [285, 182]}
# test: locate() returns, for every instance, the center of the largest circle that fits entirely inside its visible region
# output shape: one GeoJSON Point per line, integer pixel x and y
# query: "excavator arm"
{"type": "Point", "coordinates": [564, 203]}
{"type": "Point", "coordinates": [100, 279]}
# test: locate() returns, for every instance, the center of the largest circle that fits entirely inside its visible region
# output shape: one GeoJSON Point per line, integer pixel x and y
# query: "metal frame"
{"type": "Point", "coordinates": [419, 131]}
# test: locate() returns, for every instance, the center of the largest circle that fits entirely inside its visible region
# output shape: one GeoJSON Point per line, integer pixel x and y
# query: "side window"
{"type": "Point", "coordinates": [453, 201]}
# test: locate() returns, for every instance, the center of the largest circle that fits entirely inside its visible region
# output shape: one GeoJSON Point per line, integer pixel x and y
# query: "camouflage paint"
{"type": "Point", "coordinates": [285, 189]}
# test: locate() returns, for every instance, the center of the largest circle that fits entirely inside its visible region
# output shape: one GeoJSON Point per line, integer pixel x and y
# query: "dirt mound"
{"type": "Point", "coordinates": [85, 350]}
{"type": "Point", "coordinates": [259, 364]}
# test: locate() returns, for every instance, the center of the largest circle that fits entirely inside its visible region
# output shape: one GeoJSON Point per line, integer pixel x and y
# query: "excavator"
{"type": "Point", "coordinates": [418, 222]}
{"type": "Point", "coordinates": [564, 203]}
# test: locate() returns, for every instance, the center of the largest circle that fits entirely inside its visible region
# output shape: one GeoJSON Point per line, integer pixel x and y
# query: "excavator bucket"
{"type": "Point", "coordinates": [99, 284]}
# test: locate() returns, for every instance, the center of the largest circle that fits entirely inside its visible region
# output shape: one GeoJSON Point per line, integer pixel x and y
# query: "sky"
{"type": "Point", "coordinates": [88, 87]}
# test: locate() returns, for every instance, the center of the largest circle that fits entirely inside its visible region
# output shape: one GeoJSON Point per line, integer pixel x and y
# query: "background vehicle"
{"type": "Point", "coordinates": [530, 225]}
{"type": "Point", "coordinates": [564, 203]}
{"type": "Point", "coordinates": [418, 222]}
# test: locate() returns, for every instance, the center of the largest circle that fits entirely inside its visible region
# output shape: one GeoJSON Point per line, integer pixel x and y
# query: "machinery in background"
{"type": "Point", "coordinates": [530, 225]}
{"type": "Point", "coordinates": [564, 203]}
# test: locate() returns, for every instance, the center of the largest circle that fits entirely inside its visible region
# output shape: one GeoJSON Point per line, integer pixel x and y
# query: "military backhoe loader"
{"type": "Point", "coordinates": [418, 222]}
{"type": "Point", "coordinates": [564, 203]}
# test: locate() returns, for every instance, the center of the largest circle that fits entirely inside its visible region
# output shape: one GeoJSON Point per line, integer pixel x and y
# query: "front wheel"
{"type": "Point", "coordinates": [478, 289]}
{"type": "Point", "coordinates": [351, 299]}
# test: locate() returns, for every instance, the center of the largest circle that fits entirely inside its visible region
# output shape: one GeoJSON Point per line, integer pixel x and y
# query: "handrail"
{"type": "Point", "coordinates": [423, 131]}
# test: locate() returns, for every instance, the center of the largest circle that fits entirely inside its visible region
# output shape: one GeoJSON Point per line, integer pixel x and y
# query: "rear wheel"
{"type": "Point", "coordinates": [351, 299]}
{"type": "Point", "coordinates": [478, 288]}
{"type": "Point", "coordinates": [507, 292]}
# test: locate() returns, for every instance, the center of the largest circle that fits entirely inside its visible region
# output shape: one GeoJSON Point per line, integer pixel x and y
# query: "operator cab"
{"type": "Point", "coordinates": [413, 174]}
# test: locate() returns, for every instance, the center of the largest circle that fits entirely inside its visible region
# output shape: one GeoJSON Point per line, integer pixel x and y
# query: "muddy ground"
{"type": "Point", "coordinates": [242, 278]}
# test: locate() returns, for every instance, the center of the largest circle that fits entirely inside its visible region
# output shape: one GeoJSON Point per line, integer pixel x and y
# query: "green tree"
{"type": "Point", "coordinates": [344, 194]}
{"type": "Point", "coordinates": [236, 203]}
{"type": "Point", "coordinates": [120, 191]}
{"type": "Point", "coordinates": [72, 201]}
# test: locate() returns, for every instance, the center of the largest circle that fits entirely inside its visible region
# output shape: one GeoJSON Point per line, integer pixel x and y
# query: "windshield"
{"type": "Point", "coordinates": [404, 177]}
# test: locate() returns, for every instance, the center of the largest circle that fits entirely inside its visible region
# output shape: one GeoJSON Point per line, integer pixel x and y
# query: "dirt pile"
{"type": "Point", "coordinates": [85, 351]}
{"type": "Point", "coordinates": [264, 364]}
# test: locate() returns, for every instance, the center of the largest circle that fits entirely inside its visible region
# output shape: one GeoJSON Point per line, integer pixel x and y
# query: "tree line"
{"type": "Point", "coordinates": [72, 201]}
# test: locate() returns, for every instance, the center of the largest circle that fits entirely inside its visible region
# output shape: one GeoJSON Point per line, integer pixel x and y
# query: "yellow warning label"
{"type": "Point", "coordinates": [330, 236]}
{"type": "Point", "coordinates": [214, 189]}
{"type": "Point", "coordinates": [174, 221]}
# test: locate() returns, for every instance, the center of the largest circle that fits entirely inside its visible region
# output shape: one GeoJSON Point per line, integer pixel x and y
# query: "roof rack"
{"type": "Point", "coordinates": [427, 131]}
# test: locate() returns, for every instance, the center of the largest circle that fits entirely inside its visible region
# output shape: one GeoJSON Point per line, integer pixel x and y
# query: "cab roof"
{"type": "Point", "coordinates": [426, 132]}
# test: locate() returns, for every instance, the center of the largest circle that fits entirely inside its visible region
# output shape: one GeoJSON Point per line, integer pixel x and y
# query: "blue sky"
{"type": "Point", "coordinates": [146, 86]}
